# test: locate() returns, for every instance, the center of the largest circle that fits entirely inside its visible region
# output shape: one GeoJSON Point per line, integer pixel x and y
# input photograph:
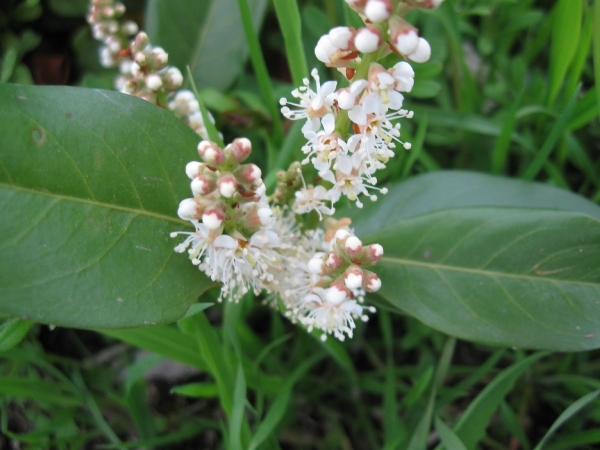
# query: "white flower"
{"type": "Point", "coordinates": [312, 199]}
{"type": "Point", "coordinates": [313, 104]}
{"type": "Point", "coordinates": [331, 312]}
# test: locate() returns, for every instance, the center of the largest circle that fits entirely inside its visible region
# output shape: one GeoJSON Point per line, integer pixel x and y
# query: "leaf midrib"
{"type": "Point", "coordinates": [487, 273]}
{"type": "Point", "coordinates": [139, 212]}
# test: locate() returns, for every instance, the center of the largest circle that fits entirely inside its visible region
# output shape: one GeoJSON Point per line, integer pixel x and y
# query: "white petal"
{"type": "Point", "coordinates": [328, 123]}
{"type": "Point", "coordinates": [358, 115]}
{"type": "Point", "coordinates": [225, 241]}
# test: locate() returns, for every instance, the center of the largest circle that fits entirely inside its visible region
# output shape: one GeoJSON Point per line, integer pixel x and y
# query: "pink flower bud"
{"type": "Point", "coordinates": [240, 149]}
{"type": "Point", "coordinates": [202, 185]}
{"type": "Point", "coordinates": [337, 294]}
{"type": "Point", "coordinates": [407, 41]}
{"type": "Point", "coordinates": [189, 209]}
{"type": "Point", "coordinates": [249, 174]}
{"type": "Point", "coordinates": [371, 283]}
{"type": "Point", "coordinates": [373, 253]}
{"type": "Point", "coordinates": [159, 58]}
{"type": "Point", "coordinates": [227, 185]}
{"type": "Point", "coordinates": [422, 53]}
{"type": "Point", "coordinates": [140, 42]}
{"type": "Point", "coordinates": [353, 277]}
{"type": "Point", "coordinates": [193, 169]}
{"type": "Point", "coordinates": [367, 40]}
{"type": "Point", "coordinates": [211, 153]}
{"type": "Point", "coordinates": [353, 246]}
{"type": "Point", "coordinates": [324, 49]}
{"type": "Point", "coordinates": [334, 261]}
{"type": "Point", "coordinates": [378, 10]}
{"type": "Point", "coordinates": [342, 37]}
{"type": "Point", "coordinates": [173, 78]}
{"type": "Point", "coordinates": [213, 216]}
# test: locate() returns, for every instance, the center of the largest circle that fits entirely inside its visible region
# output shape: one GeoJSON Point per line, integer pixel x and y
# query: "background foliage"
{"type": "Point", "coordinates": [510, 89]}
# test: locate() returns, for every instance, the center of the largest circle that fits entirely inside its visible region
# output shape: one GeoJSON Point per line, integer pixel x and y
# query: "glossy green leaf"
{"type": "Point", "coordinates": [455, 189]}
{"type": "Point", "coordinates": [207, 35]}
{"type": "Point", "coordinates": [501, 276]}
{"type": "Point", "coordinates": [89, 186]}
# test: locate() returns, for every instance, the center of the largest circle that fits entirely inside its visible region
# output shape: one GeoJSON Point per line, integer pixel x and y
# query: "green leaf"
{"type": "Point", "coordinates": [39, 390]}
{"type": "Point", "coordinates": [12, 332]}
{"type": "Point", "coordinates": [501, 276]}
{"type": "Point", "coordinates": [164, 340]}
{"type": "Point", "coordinates": [573, 409]}
{"type": "Point", "coordinates": [290, 24]}
{"type": "Point", "coordinates": [69, 8]}
{"type": "Point", "coordinates": [205, 34]}
{"type": "Point", "coordinates": [566, 28]}
{"type": "Point", "coordinates": [202, 390]}
{"type": "Point", "coordinates": [89, 186]}
{"type": "Point", "coordinates": [455, 189]}
{"type": "Point", "coordinates": [449, 439]}
{"type": "Point", "coordinates": [472, 424]}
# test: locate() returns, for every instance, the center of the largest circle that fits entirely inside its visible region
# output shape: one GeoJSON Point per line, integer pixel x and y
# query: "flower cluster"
{"type": "Point", "coordinates": [352, 132]}
{"type": "Point", "coordinates": [143, 69]}
{"type": "Point", "coordinates": [250, 245]}
{"type": "Point", "coordinates": [285, 247]}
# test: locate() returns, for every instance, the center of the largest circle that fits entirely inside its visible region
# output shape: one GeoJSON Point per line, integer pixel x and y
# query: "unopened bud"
{"type": "Point", "coordinates": [213, 217]}
{"type": "Point", "coordinates": [422, 53]}
{"type": "Point", "coordinates": [371, 283]}
{"type": "Point", "coordinates": [140, 42]}
{"type": "Point", "coordinates": [353, 277]}
{"type": "Point", "coordinates": [141, 59]}
{"type": "Point", "coordinates": [193, 169]}
{"type": "Point", "coordinates": [341, 37]}
{"type": "Point", "coordinates": [159, 58]}
{"type": "Point", "coordinates": [337, 294]}
{"type": "Point", "coordinates": [324, 49]}
{"type": "Point", "coordinates": [153, 82]}
{"type": "Point", "coordinates": [211, 153]}
{"type": "Point", "coordinates": [173, 79]}
{"type": "Point", "coordinates": [407, 42]}
{"type": "Point", "coordinates": [373, 253]}
{"type": "Point", "coordinates": [249, 174]}
{"type": "Point", "coordinates": [367, 40]}
{"type": "Point", "coordinates": [227, 185]}
{"type": "Point", "coordinates": [378, 10]}
{"type": "Point", "coordinates": [334, 261]}
{"type": "Point", "coordinates": [353, 246]}
{"type": "Point", "coordinates": [202, 185]}
{"type": "Point", "coordinates": [189, 209]}
{"type": "Point", "coordinates": [240, 149]}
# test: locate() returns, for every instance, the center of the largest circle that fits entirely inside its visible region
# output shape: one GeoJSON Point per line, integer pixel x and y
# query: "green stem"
{"type": "Point", "coordinates": [260, 69]}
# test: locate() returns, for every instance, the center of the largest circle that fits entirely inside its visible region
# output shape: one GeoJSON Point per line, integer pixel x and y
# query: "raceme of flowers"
{"type": "Point", "coordinates": [143, 69]}
{"type": "Point", "coordinates": [254, 243]}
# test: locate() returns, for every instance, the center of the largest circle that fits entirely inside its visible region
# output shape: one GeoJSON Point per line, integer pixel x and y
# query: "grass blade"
{"type": "Point", "coordinates": [449, 439]}
{"type": "Point", "coordinates": [566, 415]}
{"type": "Point", "coordinates": [237, 412]}
{"type": "Point", "coordinates": [473, 423]}
{"type": "Point", "coordinates": [12, 332]}
{"type": "Point", "coordinates": [262, 75]}
{"type": "Point", "coordinates": [566, 28]}
{"type": "Point", "coordinates": [596, 51]}
{"type": "Point", "coordinates": [290, 24]}
{"type": "Point", "coordinates": [555, 133]}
